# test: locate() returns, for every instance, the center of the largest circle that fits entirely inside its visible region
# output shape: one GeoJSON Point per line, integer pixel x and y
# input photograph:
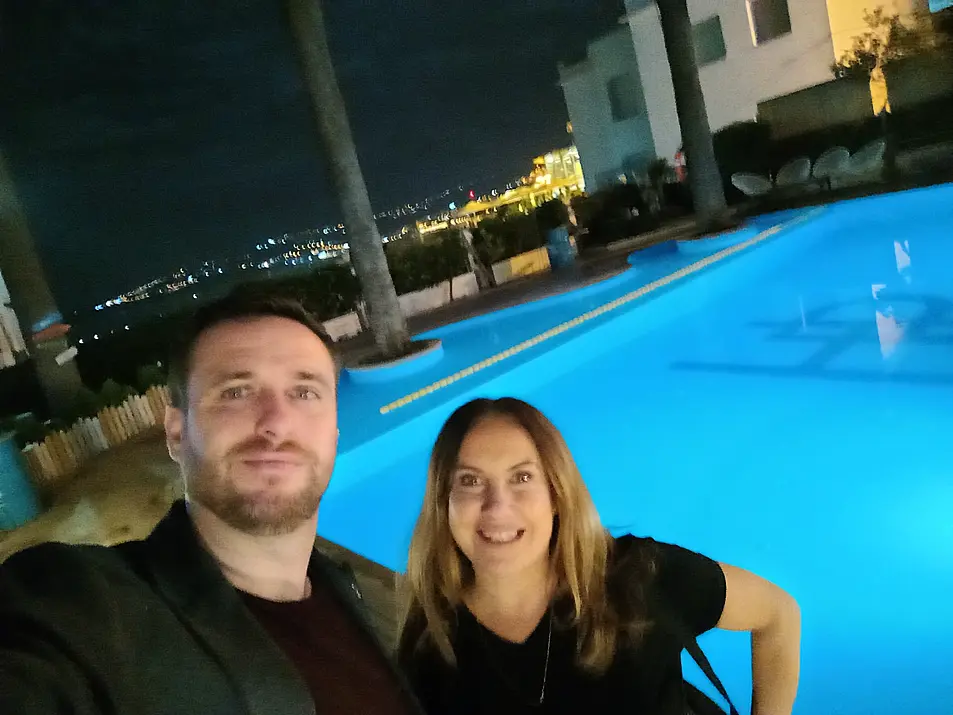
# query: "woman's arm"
{"type": "Point", "coordinates": [774, 619]}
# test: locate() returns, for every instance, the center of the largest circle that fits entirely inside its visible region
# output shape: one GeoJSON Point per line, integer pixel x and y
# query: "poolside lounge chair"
{"type": "Point", "coordinates": [867, 163]}
{"type": "Point", "coordinates": [751, 184]}
{"type": "Point", "coordinates": [830, 165]}
{"type": "Point", "coordinates": [796, 172]}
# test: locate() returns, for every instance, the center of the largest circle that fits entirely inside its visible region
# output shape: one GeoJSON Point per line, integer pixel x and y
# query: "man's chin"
{"type": "Point", "coordinates": [265, 514]}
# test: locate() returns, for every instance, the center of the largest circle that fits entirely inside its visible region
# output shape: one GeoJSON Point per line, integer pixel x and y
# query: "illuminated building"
{"type": "Point", "coordinates": [555, 175]}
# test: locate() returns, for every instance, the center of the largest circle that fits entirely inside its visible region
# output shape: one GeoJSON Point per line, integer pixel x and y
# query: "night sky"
{"type": "Point", "coordinates": [145, 135]}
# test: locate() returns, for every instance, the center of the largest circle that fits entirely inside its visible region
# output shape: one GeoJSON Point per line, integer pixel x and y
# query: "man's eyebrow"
{"type": "Point", "coordinates": [308, 376]}
{"type": "Point", "coordinates": [220, 377]}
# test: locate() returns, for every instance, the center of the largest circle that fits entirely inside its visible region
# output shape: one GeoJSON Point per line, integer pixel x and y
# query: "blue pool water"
{"type": "Point", "coordinates": [788, 410]}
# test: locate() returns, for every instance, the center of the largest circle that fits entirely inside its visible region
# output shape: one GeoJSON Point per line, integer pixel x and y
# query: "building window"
{"type": "Point", "coordinates": [709, 41]}
{"type": "Point", "coordinates": [769, 20]}
{"type": "Point", "coordinates": [625, 97]}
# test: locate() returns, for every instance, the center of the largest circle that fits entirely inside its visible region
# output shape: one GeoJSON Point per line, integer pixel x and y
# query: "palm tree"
{"type": "Point", "coordinates": [367, 253]}
{"type": "Point", "coordinates": [703, 175]}
{"type": "Point", "coordinates": [32, 299]}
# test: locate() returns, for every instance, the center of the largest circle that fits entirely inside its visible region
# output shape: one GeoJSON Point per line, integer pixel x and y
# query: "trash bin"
{"type": "Point", "coordinates": [18, 498]}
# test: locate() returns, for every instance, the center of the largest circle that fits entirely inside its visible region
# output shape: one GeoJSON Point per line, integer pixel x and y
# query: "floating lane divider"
{"type": "Point", "coordinates": [596, 312]}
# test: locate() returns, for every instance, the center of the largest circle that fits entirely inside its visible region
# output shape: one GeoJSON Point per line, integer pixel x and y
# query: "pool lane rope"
{"type": "Point", "coordinates": [594, 313]}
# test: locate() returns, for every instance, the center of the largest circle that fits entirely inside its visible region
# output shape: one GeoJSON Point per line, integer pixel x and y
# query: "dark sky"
{"type": "Point", "coordinates": [148, 134]}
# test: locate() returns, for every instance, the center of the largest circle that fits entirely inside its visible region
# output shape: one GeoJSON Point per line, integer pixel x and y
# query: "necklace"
{"type": "Point", "coordinates": [505, 678]}
{"type": "Point", "coordinates": [549, 642]}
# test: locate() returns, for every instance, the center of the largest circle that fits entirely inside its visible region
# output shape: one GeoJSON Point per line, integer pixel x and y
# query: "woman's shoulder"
{"type": "Point", "coordinates": [689, 583]}
{"type": "Point", "coordinates": [630, 551]}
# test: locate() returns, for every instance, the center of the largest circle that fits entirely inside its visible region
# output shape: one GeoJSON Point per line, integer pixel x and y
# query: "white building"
{"type": "Point", "coordinates": [11, 339]}
{"type": "Point", "coordinates": [747, 50]}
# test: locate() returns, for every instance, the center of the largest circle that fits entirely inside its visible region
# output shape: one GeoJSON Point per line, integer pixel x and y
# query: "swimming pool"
{"type": "Point", "coordinates": [787, 408]}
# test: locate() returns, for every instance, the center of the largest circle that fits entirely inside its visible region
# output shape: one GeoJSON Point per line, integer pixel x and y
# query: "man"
{"type": "Point", "coordinates": [225, 607]}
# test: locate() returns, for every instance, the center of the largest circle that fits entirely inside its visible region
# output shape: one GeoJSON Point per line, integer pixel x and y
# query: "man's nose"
{"type": "Point", "coordinates": [273, 412]}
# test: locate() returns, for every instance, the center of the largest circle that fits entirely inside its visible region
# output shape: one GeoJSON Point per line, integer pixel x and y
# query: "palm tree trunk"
{"type": "Point", "coordinates": [703, 175]}
{"type": "Point", "coordinates": [32, 300]}
{"type": "Point", "coordinates": [366, 251]}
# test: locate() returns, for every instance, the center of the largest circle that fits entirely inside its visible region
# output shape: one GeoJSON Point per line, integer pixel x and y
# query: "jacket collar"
{"type": "Point", "coordinates": [192, 583]}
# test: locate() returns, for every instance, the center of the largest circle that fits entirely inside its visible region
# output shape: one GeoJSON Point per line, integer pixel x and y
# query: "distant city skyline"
{"type": "Point", "coordinates": [276, 249]}
{"type": "Point", "coordinates": [146, 136]}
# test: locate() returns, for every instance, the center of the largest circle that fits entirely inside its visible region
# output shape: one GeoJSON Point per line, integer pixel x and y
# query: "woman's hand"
{"type": "Point", "coordinates": [774, 620]}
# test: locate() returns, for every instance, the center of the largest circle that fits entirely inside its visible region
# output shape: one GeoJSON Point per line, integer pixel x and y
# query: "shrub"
{"type": "Point", "coordinates": [742, 146]}
{"type": "Point", "coordinates": [28, 429]}
{"type": "Point", "coordinates": [416, 265]}
{"type": "Point", "coordinates": [613, 214]}
{"type": "Point", "coordinates": [86, 404]}
{"type": "Point", "coordinates": [551, 215]}
{"type": "Point", "coordinates": [150, 376]}
{"type": "Point", "coordinates": [505, 236]}
{"type": "Point", "coordinates": [112, 394]}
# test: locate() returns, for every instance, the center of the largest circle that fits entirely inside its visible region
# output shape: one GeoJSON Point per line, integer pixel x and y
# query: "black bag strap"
{"type": "Point", "coordinates": [688, 642]}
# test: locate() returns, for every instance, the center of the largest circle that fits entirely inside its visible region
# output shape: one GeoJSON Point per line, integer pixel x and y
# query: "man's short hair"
{"type": "Point", "coordinates": [242, 303]}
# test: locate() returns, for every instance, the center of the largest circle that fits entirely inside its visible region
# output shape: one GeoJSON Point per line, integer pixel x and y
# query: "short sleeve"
{"type": "Point", "coordinates": [691, 585]}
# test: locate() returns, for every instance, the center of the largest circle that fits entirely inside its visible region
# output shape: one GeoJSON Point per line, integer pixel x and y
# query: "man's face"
{"type": "Point", "coordinates": [257, 442]}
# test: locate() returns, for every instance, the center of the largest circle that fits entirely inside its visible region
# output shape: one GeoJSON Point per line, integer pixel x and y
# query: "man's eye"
{"type": "Point", "coordinates": [305, 393]}
{"type": "Point", "coordinates": [235, 393]}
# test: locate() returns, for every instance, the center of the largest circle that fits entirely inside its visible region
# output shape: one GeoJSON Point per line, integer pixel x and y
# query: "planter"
{"type": "Point", "coordinates": [427, 353]}
{"type": "Point", "coordinates": [18, 498]}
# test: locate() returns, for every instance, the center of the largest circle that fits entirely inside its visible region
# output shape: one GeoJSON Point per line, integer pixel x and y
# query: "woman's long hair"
{"type": "Point", "coordinates": [438, 573]}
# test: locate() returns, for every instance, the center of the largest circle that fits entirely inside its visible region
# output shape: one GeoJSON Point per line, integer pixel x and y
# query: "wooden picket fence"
{"type": "Point", "coordinates": [61, 454]}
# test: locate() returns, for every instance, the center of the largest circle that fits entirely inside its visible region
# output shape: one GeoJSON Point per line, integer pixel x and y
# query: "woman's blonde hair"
{"type": "Point", "coordinates": [438, 574]}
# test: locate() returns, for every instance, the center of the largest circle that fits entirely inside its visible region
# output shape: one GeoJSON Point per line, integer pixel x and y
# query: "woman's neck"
{"type": "Point", "coordinates": [513, 605]}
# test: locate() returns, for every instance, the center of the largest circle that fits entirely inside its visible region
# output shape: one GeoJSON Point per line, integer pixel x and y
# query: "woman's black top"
{"type": "Point", "coordinates": [495, 676]}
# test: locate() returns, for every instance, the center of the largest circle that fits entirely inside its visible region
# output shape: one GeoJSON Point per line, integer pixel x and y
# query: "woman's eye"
{"type": "Point", "coordinates": [523, 477]}
{"type": "Point", "coordinates": [468, 480]}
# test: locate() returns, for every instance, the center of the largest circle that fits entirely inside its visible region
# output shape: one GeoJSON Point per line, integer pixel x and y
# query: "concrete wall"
{"type": "Point", "coordinates": [842, 101]}
{"type": "Point", "coordinates": [910, 82]}
{"type": "Point", "coordinates": [429, 298]}
{"type": "Point", "coordinates": [343, 326]}
{"type": "Point", "coordinates": [917, 80]}
{"type": "Point", "coordinates": [607, 147]}
{"type": "Point", "coordinates": [748, 74]}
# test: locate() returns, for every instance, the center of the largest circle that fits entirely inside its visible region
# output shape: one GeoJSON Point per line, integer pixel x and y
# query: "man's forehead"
{"type": "Point", "coordinates": [260, 341]}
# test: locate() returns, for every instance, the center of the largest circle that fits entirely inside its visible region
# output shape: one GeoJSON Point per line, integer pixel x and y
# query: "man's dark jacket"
{"type": "Point", "coordinates": [145, 628]}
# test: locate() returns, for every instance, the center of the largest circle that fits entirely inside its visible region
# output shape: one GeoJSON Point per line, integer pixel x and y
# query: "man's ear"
{"type": "Point", "coordinates": [174, 427]}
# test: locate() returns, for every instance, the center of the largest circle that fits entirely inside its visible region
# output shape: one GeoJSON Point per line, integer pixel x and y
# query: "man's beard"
{"type": "Point", "coordinates": [254, 513]}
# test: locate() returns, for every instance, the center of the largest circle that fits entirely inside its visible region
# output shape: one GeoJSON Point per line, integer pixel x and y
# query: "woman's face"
{"type": "Point", "coordinates": [501, 507]}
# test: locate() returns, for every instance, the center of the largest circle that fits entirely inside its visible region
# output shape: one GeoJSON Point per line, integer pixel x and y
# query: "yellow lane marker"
{"type": "Point", "coordinates": [594, 313]}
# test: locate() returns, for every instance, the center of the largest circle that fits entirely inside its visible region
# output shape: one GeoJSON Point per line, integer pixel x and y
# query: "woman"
{"type": "Point", "coordinates": [519, 600]}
